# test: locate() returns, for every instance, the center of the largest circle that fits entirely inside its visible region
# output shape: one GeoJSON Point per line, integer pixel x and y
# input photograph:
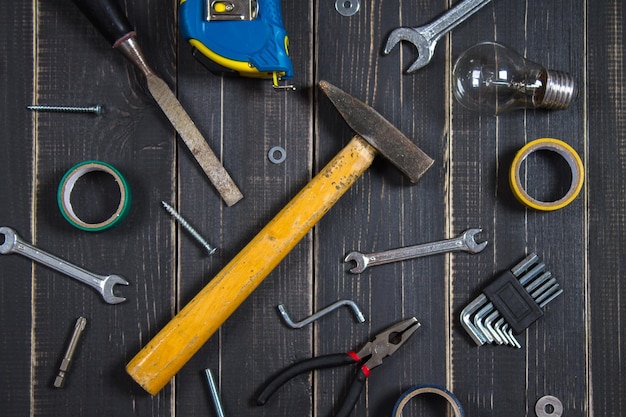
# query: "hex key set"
{"type": "Point", "coordinates": [511, 303]}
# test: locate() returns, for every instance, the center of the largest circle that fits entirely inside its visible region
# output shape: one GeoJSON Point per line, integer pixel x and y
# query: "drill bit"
{"type": "Point", "coordinates": [59, 381]}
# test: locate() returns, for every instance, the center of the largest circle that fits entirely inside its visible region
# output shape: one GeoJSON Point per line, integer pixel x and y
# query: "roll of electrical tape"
{"type": "Point", "coordinates": [428, 389]}
{"type": "Point", "coordinates": [570, 156]}
{"type": "Point", "coordinates": [67, 186]}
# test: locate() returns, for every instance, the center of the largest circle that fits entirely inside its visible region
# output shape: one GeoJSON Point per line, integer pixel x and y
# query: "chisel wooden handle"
{"type": "Point", "coordinates": [108, 17]}
{"type": "Point", "coordinates": [185, 334]}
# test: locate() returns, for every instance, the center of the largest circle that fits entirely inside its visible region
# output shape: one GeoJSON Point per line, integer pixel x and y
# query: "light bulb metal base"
{"type": "Point", "coordinates": [560, 91]}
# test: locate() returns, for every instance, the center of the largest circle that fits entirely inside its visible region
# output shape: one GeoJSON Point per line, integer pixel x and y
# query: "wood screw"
{"type": "Point", "coordinates": [97, 109]}
{"type": "Point", "coordinates": [210, 249]}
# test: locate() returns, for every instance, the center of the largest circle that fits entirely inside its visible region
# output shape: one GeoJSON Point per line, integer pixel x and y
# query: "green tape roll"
{"type": "Point", "coordinates": [67, 186]}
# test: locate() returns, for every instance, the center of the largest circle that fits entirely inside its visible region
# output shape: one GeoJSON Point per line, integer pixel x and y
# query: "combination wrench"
{"type": "Point", "coordinates": [13, 243]}
{"type": "Point", "coordinates": [465, 242]}
{"type": "Point", "coordinates": [425, 37]}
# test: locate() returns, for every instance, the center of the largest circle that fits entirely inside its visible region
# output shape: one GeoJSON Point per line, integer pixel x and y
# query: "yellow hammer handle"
{"type": "Point", "coordinates": [185, 334]}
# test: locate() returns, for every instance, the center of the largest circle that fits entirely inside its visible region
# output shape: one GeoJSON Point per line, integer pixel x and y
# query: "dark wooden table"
{"type": "Point", "coordinates": [50, 54]}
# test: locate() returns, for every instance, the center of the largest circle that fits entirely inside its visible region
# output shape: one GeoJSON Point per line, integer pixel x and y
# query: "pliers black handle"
{"type": "Point", "coordinates": [322, 362]}
{"type": "Point", "coordinates": [369, 356]}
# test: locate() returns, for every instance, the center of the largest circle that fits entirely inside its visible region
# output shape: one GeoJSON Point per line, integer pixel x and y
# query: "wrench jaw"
{"type": "Point", "coordinates": [106, 289]}
{"type": "Point", "coordinates": [425, 55]}
{"type": "Point", "coordinates": [469, 237]}
{"type": "Point", "coordinates": [425, 49]}
{"type": "Point", "coordinates": [361, 261]}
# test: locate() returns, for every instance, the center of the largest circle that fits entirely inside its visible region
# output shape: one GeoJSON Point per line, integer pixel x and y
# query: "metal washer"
{"type": "Point", "coordinates": [282, 155]}
{"type": "Point", "coordinates": [549, 400]}
{"type": "Point", "coordinates": [347, 7]}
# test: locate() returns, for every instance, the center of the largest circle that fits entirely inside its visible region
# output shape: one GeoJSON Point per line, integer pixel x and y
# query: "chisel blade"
{"type": "Point", "coordinates": [193, 139]}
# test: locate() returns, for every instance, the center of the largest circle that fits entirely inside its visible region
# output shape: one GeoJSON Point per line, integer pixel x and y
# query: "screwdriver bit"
{"type": "Point", "coordinates": [69, 353]}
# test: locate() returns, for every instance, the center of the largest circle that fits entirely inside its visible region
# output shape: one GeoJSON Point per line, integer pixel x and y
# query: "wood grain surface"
{"type": "Point", "coordinates": [50, 54]}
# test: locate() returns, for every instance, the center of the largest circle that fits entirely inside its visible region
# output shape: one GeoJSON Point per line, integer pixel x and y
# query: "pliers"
{"type": "Point", "coordinates": [382, 345]}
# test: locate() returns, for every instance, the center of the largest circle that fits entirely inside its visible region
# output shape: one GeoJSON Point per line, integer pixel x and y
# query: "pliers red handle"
{"type": "Point", "coordinates": [370, 356]}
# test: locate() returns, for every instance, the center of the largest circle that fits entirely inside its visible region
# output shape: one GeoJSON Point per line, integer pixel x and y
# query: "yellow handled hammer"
{"type": "Point", "coordinates": [185, 334]}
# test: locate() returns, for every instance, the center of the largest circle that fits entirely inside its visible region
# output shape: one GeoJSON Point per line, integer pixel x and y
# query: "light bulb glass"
{"type": "Point", "coordinates": [492, 78]}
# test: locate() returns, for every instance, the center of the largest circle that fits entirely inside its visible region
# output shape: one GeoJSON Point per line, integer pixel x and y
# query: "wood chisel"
{"type": "Point", "coordinates": [108, 17]}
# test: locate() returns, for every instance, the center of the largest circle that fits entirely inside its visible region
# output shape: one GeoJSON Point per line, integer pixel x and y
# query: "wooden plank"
{"type": "Point", "coordinates": [606, 131]}
{"type": "Point", "coordinates": [245, 118]}
{"type": "Point", "coordinates": [76, 66]}
{"type": "Point", "coordinates": [16, 165]}
{"type": "Point", "coordinates": [382, 210]}
{"type": "Point", "coordinates": [50, 54]}
{"type": "Point", "coordinates": [497, 380]}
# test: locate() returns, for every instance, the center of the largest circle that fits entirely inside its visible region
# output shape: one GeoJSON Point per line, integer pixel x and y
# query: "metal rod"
{"type": "Point", "coordinates": [215, 395]}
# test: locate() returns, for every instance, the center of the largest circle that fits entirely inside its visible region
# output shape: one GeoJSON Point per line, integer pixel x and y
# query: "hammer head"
{"type": "Point", "coordinates": [379, 133]}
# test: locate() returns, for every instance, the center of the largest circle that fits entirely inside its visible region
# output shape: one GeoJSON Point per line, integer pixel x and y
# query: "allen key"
{"type": "Point", "coordinates": [297, 325]}
{"type": "Point", "coordinates": [511, 303]}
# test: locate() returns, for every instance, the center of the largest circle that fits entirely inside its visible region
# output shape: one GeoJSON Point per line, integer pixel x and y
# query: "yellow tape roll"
{"type": "Point", "coordinates": [570, 156]}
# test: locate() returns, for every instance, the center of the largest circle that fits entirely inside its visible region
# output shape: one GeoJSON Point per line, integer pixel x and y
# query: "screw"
{"type": "Point", "coordinates": [210, 249]}
{"type": "Point", "coordinates": [97, 109]}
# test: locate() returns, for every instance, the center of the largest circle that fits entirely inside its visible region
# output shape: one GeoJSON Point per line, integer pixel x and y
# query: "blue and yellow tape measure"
{"type": "Point", "coordinates": [241, 37]}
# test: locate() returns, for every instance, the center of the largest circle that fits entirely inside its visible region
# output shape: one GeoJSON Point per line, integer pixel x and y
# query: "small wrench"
{"type": "Point", "coordinates": [465, 242]}
{"type": "Point", "coordinates": [14, 244]}
{"type": "Point", "coordinates": [425, 37]}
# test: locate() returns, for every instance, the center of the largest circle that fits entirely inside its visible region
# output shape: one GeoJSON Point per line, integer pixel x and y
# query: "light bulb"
{"type": "Point", "coordinates": [492, 78]}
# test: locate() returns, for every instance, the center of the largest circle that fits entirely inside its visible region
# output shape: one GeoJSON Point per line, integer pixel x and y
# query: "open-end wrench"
{"type": "Point", "coordinates": [465, 242]}
{"type": "Point", "coordinates": [104, 284]}
{"type": "Point", "coordinates": [425, 37]}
